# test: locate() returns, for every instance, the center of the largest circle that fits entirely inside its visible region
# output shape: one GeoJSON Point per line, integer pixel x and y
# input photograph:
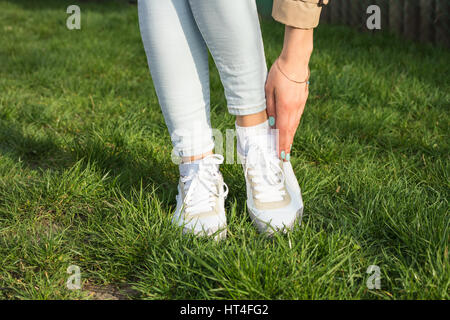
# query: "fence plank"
{"type": "Point", "coordinates": [411, 22]}
{"type": "Point", "coordinates": [426, 20]}
{"type": "Point", "coordinates": [325, 14]}
{"type": "Point", "coordinates": [334, 6]}
{"type": "Point", "coordinates": [360, 15]}
{"type": "Point", "coordinates": [396, 16]}
{"type": "Point", "coordinates": [384, 7]}
{"type": "Point", "coordinates": [442, 22]}
{"type": "Point", "coordinates": [353, 13]}
{"type": "Point", "coordinates": [363, 18]}
{"type": "Point", "coordinates": [345, 11]}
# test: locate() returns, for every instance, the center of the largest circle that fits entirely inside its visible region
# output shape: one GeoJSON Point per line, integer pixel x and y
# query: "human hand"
{"type": "Point", "coordinates": [287, 87]}
{"type": "Point", "coordinates": [286, 101]}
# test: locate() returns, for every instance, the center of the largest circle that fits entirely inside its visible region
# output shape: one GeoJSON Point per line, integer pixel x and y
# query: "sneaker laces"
{"type": "Point", "coordinates": [201, 186]}
{"type": "Point", "coordinates": [266, 174]}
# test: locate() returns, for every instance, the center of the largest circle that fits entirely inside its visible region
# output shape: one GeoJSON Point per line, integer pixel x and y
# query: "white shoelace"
{"type": "Point", "coordinates": [201, 186]}
{"type": "Point", "coordinates": [266, 174]}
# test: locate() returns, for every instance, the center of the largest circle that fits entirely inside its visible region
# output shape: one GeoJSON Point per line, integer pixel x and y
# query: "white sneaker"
{"type": "Point", "coordinates": [200, 200]}
{"type": "Point", "coordinates": [274, 198]}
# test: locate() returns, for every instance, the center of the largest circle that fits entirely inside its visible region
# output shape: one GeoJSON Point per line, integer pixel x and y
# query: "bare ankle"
{"type": "Point", "coordinates": [251, 119]}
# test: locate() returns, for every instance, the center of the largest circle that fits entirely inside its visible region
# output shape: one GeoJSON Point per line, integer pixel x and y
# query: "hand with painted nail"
{"type": "Point", "coordinates": [287, 87]}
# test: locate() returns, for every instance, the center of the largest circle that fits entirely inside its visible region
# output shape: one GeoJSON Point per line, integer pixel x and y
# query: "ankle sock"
{"type": "Point", "coordinates": [260, 134]}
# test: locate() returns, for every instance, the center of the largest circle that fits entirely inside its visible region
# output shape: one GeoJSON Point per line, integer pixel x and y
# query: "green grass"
{"type": "Point", "coordinates": [86, 176]}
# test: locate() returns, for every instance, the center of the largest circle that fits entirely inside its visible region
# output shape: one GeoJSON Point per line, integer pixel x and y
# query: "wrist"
{"type": "Point", "coordinates": [297, 47]}
{"type": "Point", "coordinates": [294, 72]}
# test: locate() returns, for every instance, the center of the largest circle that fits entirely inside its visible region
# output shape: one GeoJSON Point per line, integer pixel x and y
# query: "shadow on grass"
{"type": "Point", "coordinates": [34, 152]}
{"type": "Point", "coordinates": [41, 153]}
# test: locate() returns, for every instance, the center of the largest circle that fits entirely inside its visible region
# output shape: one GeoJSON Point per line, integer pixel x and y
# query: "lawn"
{"type": "Point", "coordinates": [86, 177]}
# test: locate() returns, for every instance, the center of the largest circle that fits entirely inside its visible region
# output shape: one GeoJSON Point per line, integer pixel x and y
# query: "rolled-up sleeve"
{"type": "Point", "coordinates": [302, 14]}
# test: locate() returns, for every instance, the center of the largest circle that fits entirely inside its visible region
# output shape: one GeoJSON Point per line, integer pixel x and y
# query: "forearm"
{"type": "Point", "coordinates": [297, 50]}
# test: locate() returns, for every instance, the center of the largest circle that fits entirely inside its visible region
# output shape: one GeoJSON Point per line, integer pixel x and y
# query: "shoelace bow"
{"type": "Point", "coordinates": [266, 174]}
{"type": "Point", "coordinates": [202, 186]}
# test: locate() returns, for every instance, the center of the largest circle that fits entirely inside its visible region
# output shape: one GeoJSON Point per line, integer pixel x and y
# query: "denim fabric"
{"type": "Point", "coordinates": [177, 35]}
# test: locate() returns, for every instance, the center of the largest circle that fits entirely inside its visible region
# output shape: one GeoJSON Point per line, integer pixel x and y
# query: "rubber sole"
{"type": "Point", "coordinates": [266, 228]}
{"type": "Point", "coordinates": [216, 235]}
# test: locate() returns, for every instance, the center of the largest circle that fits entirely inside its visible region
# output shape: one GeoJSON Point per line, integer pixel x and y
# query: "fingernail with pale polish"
{"type": "Point", "coordinates": [283, 155]}
{"type": "Point", "coordinates": [271, 121]}
{"type": "Point", "coordinates": [288, 157]}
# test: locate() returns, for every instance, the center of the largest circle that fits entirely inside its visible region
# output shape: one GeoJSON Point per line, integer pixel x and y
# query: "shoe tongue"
{"type": "Point", "coordinates": [188, 169]}
{"type": "Point", "coordinates": [266, 142]}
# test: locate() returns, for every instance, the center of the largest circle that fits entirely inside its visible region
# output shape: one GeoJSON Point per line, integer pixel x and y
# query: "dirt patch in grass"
{"type": "Point", "coordinates": [110, 292]}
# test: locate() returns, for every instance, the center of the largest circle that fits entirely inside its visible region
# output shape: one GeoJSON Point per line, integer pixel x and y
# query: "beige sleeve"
{"type": "Point", "coordinates": [303, 14]}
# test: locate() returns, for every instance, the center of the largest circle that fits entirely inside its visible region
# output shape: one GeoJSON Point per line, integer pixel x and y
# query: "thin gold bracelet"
{"type": "Point", "coordinates": [284, 74]}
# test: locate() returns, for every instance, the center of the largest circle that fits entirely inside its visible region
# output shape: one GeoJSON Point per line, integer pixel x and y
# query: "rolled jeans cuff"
{"type": "Point", "coordinates": [246, 110]}
{"type": "Point", "coordinates": [188, 143]}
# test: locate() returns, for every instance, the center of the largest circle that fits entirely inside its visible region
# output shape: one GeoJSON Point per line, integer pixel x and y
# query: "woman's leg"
{"type": "Point", "coordinates": [232, 33]}
{"type": "Point", "coordinates": [178, 61]}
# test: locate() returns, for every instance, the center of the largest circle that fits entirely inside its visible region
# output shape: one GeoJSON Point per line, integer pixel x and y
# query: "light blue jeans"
{"type": "Point", "coordinates": [177, 35]}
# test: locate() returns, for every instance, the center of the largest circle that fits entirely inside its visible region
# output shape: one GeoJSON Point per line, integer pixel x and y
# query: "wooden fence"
{"type": "Point", "coordinates": [422, 20]}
